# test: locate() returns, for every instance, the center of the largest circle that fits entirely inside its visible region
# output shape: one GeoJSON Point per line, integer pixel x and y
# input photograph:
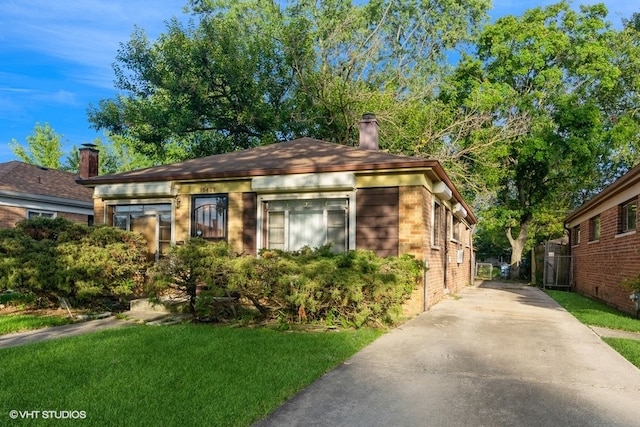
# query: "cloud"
{"type": "Point", "coordinates": [85, 33]}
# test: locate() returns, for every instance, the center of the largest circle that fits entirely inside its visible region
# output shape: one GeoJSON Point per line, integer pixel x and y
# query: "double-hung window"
{"type": "Point", "coordinates": [436, 229]}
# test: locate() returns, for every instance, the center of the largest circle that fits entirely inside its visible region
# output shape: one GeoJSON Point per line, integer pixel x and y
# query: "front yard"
{"type": "Point", "coordinates": [171, 376]}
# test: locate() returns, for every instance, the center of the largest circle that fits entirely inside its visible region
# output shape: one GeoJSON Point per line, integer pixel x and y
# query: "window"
{"type": "Point", "coordinates": [628, 216]}
{"type": "Point", "coordinates": [576, 235]}
{"type": "Point", "coordinates": [209, 219]}
{"type": "Point", "coordinates": [455, 229]}
{"type": "Point", "coordinates": [153, 221]}
{"type": "Point", "coordinates": [594, 228]}
{"type": "Point", "coordinates": [40, 214]}
{"type": "Point", "coordinates": [436, 229]}
{"type": "Point", "coordinates": [293, 224]}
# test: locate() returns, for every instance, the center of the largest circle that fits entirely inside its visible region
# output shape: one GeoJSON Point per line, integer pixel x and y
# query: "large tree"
{"type": "Point", "coordinates": [250, 72]}
{"type": "Point", "coordinates": [553, 69]}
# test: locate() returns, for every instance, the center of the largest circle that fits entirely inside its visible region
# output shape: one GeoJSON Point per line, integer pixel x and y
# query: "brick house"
{"type": "Point", "coordinates": [304, 192]}
{"type": "Point", "coordinates": [28, 191]}
{"type": "Point", "coordinates": [605, 244]}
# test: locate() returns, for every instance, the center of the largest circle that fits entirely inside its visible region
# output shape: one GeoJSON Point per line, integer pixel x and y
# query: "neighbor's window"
{"type": "Point", "coordinates": [209, 218]}
{"type": "Point", "coordinates": [576, 235]}
{"type": "Point", "coordinates": [293, 224]}
{"type": "Point", "coordinates": [436, 230]}
{"type": "Point", "coordinates": [594, 226]}
{"type": "Point", "coordinates": [629, 216]}
{"type": "Point", "coordinates": [41, 214]}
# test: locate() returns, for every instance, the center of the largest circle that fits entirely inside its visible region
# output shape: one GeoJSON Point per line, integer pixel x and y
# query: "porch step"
{"type": "Point", "coordinates": [164, 306]}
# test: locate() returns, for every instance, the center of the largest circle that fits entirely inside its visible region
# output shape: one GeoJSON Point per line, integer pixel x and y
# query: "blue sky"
{"type": "Point", "coordinates": [56, 57]}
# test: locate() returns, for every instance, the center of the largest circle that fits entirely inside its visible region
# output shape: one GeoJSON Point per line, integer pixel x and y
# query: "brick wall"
{"type": "Point", "coordinates": [599, 266]}
{"type": "Point", "coordinates": [9, 215]}
{"type": "Point", "coordinates": [235, 226]}
{"type": "Point", "coordinates": [412, 232]}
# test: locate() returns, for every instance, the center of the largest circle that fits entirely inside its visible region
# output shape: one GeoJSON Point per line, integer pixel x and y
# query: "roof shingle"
{"type": "Point", "coordinates": [18, 177]}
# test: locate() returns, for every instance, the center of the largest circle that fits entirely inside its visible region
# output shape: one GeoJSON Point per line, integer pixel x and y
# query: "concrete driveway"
{"type": "Point", "coordinates": [498, 355]}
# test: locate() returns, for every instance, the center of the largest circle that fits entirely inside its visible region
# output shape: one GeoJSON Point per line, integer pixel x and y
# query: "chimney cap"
{"type": "Point", "coordinates": [89, 145]}
{"type": "Point", "coordinates": [369, 116]}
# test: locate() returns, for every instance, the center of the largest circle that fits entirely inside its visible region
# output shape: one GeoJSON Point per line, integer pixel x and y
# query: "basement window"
{"type": "Point", "coordinates": [40, 214]}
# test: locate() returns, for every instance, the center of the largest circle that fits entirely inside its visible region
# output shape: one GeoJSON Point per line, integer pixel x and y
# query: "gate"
{"type": "Point", "coordinates": [557, 266]}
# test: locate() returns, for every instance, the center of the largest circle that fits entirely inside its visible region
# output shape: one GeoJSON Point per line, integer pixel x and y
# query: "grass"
{"type": "Point", "coordinates": [629, 349]}
{"type": "Point", "coordinates": [24, 322]}
{"type": "Point", "coordinates": [594, 313]}
{"type": "Point", "coordinates": [170, 376]}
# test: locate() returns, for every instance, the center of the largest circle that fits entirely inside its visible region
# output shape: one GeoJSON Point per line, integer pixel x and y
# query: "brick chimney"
{"type": "Point", "coordinates": [368, 127]}
{"type": "Point", "coordinates": [88, 161]}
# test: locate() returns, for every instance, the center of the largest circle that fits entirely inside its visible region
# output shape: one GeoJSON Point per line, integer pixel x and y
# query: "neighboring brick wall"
{"type": "Point", "coordinates": [600, 266]}
{"type": "Point", "coordinates": [10, 215]}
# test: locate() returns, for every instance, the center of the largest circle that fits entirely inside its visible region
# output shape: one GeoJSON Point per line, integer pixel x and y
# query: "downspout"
{"type": "Point", "coordinates": [446, 247]}
{"type": "Point", "coordinates": [472, 257]}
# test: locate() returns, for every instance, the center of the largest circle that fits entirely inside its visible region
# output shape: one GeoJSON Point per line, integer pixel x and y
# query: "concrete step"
{"type": "Point", "coordinates": [164, 306]}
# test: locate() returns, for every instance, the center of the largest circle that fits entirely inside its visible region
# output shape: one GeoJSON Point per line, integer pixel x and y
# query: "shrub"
{"type": "Point", "coordinates": [56, 258]}
{"type": "Point", "coordinates": [354, 289]}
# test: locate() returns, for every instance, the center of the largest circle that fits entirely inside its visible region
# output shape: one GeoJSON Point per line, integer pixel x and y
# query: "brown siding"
{"type": "Point", "coordinates": [600, 266]}
{"type": "Point", "coordinates": [249, 222]}
{"type": "Point", "coordinates": [377, 220]}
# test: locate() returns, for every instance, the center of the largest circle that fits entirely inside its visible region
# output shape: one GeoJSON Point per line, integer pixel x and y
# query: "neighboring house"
{"type": "Point", "coordinates": [605, 243]}
{"type": "Point", "coordinates": [28, 191]}
{"type": "Point", "coordinates": [299, 193]}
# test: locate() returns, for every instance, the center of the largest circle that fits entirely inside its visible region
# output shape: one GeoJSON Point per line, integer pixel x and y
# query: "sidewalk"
{"type": "Point", "coordinates": [132, 318]}
{"type": "Point", "coordinates": [499, 355]}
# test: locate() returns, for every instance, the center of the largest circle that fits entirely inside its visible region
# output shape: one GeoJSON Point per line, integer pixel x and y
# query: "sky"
{"type": "Point", "coordinates": [56, 57]}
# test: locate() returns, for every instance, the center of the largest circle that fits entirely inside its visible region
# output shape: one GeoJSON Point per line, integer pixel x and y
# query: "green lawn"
{"type": "Point", "coordinates": [24, 322]}
{"type": "Point", "coordinates": [179, 375]}
{"type": "Point", "coordinates": [595, 313]}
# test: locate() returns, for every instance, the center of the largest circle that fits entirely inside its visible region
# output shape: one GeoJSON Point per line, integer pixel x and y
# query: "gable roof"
{"type": "Point", "coordinates": [22, 178]}
{"type": "Point", "coordinates": [623, 183]}
{"type": "Point", "coordinates": [303, 155]}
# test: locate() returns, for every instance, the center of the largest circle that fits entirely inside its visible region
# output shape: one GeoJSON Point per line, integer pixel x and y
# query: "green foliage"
{"type": "Point", "coordinates": [244, 73]}
{"type": "Point", "coordinates": [355, 289]}
{"type": "Point", "coordinates": [56, 258]}
{"type": "Point", "coordinates": [44, 147]}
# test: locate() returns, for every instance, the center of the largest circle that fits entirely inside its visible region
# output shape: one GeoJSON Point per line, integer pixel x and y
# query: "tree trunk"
{"type": "Point", "coordinates": [517, 247]}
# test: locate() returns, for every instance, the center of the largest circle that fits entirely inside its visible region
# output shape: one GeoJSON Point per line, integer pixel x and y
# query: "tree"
{"type": "Point", "coordinates": [552, 68]}
{"type": "Point", "coordinates": [250, 72]}
{"type": "Point", "coordinates": [44, 147]}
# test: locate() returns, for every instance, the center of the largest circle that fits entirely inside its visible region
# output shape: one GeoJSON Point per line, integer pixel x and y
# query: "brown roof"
{"type": "Point", "coordinates": [304, 155]}
{"type": "Point", "coordinates": [18, 177]}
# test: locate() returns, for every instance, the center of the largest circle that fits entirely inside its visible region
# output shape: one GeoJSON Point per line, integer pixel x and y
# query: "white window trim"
{"type": "Point", "coordinates": [40, 212]}
{"type": "Point", "coordinates": [350, 195]}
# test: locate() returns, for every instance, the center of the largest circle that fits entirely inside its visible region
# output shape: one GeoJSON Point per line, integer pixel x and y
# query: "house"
{"type": "Point", "coordinates": [605, 244]}
{"type": "Point", "coordinates": [304, 192]}
{"type": "Point", "coordinates": [28, 191]}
